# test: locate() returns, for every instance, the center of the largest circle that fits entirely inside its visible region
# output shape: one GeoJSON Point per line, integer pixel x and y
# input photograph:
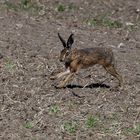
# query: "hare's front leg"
{"type": "Point", "coordinates": [61, 74]}
{"type": "Point", "coordinates": [63, 83]}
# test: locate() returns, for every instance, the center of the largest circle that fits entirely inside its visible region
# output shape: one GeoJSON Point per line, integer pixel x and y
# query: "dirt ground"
{"type": "Point", "coordinates": [31, 108]}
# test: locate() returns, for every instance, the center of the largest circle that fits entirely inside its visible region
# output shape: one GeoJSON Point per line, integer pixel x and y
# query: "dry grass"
{"type": "Point", "coordinates": [32, 108]}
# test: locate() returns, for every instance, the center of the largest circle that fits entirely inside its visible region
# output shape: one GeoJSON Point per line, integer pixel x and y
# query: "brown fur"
{"type": "Point", "coordinates": [83, 58]}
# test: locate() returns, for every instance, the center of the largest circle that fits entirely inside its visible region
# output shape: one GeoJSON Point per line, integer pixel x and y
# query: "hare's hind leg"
{"type": "Point", "coordinates": [110, 69]}
{"type": "Point", "coordinates": [61, 74]}
{"type": "Point", "coordinates": [68, 78]}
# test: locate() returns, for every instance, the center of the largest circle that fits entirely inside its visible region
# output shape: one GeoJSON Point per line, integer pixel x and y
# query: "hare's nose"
{"type": "Point", "coordinates": [60, 60]}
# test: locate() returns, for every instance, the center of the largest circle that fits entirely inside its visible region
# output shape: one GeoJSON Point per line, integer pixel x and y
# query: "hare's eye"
{"type": "Point", "coordinates": [67, 53]}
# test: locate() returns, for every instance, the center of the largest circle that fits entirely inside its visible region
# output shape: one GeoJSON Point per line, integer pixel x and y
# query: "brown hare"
{"type": "Point", "coordinates": [76, 59]}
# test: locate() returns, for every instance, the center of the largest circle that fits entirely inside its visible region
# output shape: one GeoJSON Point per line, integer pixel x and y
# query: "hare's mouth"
{"type": "Point", "coordinates": [61, 60]}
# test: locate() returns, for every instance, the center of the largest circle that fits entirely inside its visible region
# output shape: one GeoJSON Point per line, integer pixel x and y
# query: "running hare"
{"type": "Point", "coordinates": [76, 59]}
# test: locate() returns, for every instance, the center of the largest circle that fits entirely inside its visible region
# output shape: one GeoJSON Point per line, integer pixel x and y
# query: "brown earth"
{"type": "Point", "coordinates": [31, 108]}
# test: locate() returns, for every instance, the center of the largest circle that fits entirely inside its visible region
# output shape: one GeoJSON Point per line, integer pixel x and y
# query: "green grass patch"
{"type": "Point", "coordinates": [54, 109]}
{"type": "Point", "coordinates": [29, 125]}
{"type": "Point", "coordinates": [111, 23]}
{"type": "Point", "coordinates": [71, 6]}
{"type": "Point", "coordinates": [23, 5]}
{"type": "Point", "coordinates": [106, 130]}
{"type": "Point", "coordinates": [9, 66]}
{"type": "Point", "coordinates": [104, 21]}
{"type": "Point", "coordinates": [26, 4]}
{"type": "Point", "coordinates": [132, 28]}
{"type": "Point", "coordinates": [10, 5]}
{"type": "Point", "coordinates": [63, 8]}
{"type": "Point", "coordinates": [91, 121]}
{"type": "Point", "coordinates": [133, 130]}
{"type": "Point", "coordinates": [137, 129]}
{"type": "Point", "coordinates": [33, 139]}
{"type": "Point", "coordinates": [29, 5]}
{"type": "Point", "coordinates": [70, 127]}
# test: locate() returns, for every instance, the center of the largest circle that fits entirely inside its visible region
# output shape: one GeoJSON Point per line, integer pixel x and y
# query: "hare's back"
{"type": "Point", "coordinates": [97, 51]}
{"type": "Point", "coordinates": [98, 54]}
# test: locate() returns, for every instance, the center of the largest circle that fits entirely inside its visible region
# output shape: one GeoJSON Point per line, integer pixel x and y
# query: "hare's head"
{"type": "Point", "coordinates": [67, 47]}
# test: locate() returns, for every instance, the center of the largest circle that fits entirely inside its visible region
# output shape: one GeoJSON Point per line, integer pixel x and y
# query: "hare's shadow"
{"type": "Point", "coordinates": [93, 85]}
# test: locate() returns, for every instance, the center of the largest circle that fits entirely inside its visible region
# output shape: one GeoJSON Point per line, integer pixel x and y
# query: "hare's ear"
{"type": "Point", "coordinates": [70, 41]}
{"type": "Point", "coordinates": [62, 40]}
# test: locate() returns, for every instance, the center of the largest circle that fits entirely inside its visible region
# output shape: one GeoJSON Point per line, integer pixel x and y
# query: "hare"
{"type": "Point", "coordinates": [76, 59]}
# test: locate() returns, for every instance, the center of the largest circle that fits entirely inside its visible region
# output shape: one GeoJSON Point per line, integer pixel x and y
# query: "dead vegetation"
{"type": "Point", "coordinates": [31, 108]}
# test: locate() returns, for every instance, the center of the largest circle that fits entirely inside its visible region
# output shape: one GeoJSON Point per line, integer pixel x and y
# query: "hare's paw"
{"type": "Point", "coordinates": [60, 85]}
{"type": "Point", "coordinates": [53, 77]}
